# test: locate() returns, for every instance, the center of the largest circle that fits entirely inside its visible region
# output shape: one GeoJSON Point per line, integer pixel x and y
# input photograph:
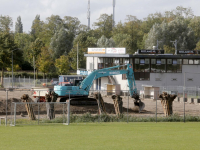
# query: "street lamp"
{"type": "Point", "coordinates": [12, 65]}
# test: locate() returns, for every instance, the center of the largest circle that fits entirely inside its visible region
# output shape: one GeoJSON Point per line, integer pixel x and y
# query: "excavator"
{"type": "Point", "coordinates": [78, 90]}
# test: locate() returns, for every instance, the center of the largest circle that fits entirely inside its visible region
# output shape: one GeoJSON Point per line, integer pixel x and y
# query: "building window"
{"type": "Point", "coordinates": [185, 61]}
{"type": "Point", "coordinates": [179, 61]}
{"type": "Point", "coordinates": [169, 61]}
{"type": "Point", "coordinates": [196, 62]}
{"type": "Point", "coordinates": [136, 60]}
{"type": "Point", "coordinates": [158, 61]}
{"type": "Point", "coordinates": [142, 61]}
{"type": "Point", "coordinates": [191, 62]}
{"type": "Point", "coordinates": [174, 62]}
{"type": "Point", "coordinates": [158, 65]}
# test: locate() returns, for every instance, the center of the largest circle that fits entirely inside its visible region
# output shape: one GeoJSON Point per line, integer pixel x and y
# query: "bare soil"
{"type": "Point", "coordinates": [128, 106]}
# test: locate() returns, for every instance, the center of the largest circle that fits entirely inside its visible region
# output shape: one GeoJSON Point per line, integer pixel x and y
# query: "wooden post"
{"type": "Point", "coordinates": [100, 102]}
{"type": "Point", "coordinates": [118, 104]}
{"type": "Point", "coordinates": [29, 107]}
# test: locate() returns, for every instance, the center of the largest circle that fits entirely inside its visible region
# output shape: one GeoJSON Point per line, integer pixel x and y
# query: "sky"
{"type": "Point", "coordinates": [28, 9]}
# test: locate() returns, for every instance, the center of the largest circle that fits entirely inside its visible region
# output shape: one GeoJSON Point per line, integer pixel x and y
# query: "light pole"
{"type": "Point", "coordinates": [12, 66]}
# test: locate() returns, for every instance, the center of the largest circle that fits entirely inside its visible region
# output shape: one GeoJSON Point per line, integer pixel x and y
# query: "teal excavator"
{"type": "Point", "coordinates": [78, 90]}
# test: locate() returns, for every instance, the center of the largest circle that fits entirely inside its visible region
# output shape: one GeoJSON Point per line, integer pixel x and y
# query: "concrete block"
{"type": "Point", "coordinates": [177, 99]}
{"type": "Point", "coordinates": [196, 101]}
{"type": "Point", "coordinates": [190, 100]}
{"type": "Point", "coordinates": [181, 100]}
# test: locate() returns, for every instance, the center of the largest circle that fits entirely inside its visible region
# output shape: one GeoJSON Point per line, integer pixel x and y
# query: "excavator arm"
{"type": "Point", "coordinates": [87, 82]}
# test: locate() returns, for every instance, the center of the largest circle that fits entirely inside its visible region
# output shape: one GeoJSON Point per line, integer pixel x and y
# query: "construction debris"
{"type": "Point", "coordinates": [100, 102]}
{"type": "Point", "coordinates": [138, 104]}
{"type": "Point", "coordinates": [118, 104]}
{"type": "Point", "coordinates": [167, 103]}
{"type": "Point", "coordinates": [29, 107]}
{"type": "Point", "coordinates": [50, 99]}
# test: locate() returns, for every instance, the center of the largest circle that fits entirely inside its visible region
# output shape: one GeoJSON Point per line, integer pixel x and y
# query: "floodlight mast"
{"type": "Point", "coordinates": [113, 13]}
{"type": "Point", "coordinates": [88, 14]}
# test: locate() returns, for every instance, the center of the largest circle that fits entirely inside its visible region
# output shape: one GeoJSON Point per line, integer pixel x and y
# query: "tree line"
{"type": "Point", "coordinates": [51, 45]}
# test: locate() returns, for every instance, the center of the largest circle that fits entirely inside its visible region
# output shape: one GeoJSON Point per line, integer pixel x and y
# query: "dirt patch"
{"type": "Point", "coordinates": [128, 106]}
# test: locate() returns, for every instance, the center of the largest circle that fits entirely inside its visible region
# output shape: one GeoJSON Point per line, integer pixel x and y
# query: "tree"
{"type": "Point", "coordinates": [104, 42]}
{"type": "Point", "coordinates": [194, 25]}
{"type": "Point", "coordinates": [72, 24]}
{"type": "Point", "coordinates": [6, 47]}
{"type": "Point", "coordinates": [62, 64]}
{"type": "Point", "coordinates": [174, 30]}
{"type": "Point", "coordinates": [18, 25]}
{"type": "Point", "coordinates": [123, 40]}
{"type": "Point", "coordinates": [104, 25]}
{"type": "Point", "coordinates": [60, 43]}
{"type": "Point", "coordinates": [34, 51]}
{"type": "Point", "coordinates": [36, 28]}
{"type": "Point", "coordinates": [52, 26]}
{"type": "Point", "coordinates": [5, 23]}
{"type": "Point", "coordinates": [83, 40]}
{"type": "Point", "coordinates": [44, 62]}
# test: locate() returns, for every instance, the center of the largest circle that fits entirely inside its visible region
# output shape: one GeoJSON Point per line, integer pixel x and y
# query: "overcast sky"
{"type": "Point", "coordinates": [28, 9]}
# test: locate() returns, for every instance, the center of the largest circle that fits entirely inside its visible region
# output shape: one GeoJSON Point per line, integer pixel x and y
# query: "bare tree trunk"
{"type": "Point", "coordinates": [52, 97]}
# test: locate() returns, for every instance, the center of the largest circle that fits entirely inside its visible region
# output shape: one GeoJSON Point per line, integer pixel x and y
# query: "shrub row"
{"type": "Point", "coordinates": [87, 117]}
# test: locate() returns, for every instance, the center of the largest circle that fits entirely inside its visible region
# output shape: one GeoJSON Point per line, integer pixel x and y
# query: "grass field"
{"type": "Point", "coordinates": [105, 136]}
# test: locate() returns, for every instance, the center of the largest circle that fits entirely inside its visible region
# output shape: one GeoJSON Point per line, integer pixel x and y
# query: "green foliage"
{"type": "Point", "coordinates": [104, 25]}
{"type": "Point", "coordinates": [45, 61]}
{"type": "Point", "coordinates": [62, 64]}
{"type": "Point", "coordinates": [36, 28]}
{"type": "Point", "coordinates": [5, 23]}
{"type": "Point", "coordinates": [18, 25]}
{"type": "Point", "coordinates": [60, 43]}
{"type": "Point", "coordinates": [167, 32]}
{"type": "Point", "coordinates": [104, 42]}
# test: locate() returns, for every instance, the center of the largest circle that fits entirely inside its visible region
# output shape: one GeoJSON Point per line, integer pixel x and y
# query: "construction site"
{"type": "Point", "coordinates": [27, 109]}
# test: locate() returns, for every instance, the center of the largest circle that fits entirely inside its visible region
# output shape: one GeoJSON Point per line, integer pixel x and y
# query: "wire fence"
{"type": "Point", "coordinates": [13, 111]}
{"type": "Point", "coordinates": [20, 82]}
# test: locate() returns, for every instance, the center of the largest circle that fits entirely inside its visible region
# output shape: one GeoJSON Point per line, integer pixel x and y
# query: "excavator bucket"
{"type": "Point", "coordinates": [138, 102]}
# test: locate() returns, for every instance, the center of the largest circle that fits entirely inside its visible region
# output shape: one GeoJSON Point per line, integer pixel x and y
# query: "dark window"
{"type": "Point", "coordinates": [158, 65]}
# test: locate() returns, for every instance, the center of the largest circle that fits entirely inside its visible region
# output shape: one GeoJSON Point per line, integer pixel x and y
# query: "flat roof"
{"type": "Point", "coordinates": [177, 56]}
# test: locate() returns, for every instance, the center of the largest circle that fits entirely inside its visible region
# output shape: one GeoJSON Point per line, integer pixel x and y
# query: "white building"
{"type": "Point", "coordinates": [152, 68]}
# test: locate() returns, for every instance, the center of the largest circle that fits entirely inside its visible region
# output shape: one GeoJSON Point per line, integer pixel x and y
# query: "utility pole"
{"type": "Point", "coordinates": [113, 13]}
{"type": "Point", "coordinates": [175, 44]}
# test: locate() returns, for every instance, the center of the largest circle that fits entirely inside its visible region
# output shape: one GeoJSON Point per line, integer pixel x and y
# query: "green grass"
{"type": "Point", "coordinates": [105, 136]}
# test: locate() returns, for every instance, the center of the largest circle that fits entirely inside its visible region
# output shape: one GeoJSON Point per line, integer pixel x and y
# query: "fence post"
{"type": "Point", "coordinates": [156, 110]}
{"type": "Point", "coordinates": [184, 102]}
{"type": "Point", "coordinates": [128, 105]}
{"type": "Point", "coordinates": [15, 114]}
{"type": "Point", "coordinates": [68, 111]}
{"type": "Point", "coordinates": [39, 109]}
{"type": "Point", "coordinates": [99, 108]}
{"type": "Point", "coordinates": [6, 106]}
{"type": "Point", "coordinates": [29, 81]}
{"type": "Point", "coordinates": [24, 81]}
{"type": "Point", "coordinates": [9, 81]}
